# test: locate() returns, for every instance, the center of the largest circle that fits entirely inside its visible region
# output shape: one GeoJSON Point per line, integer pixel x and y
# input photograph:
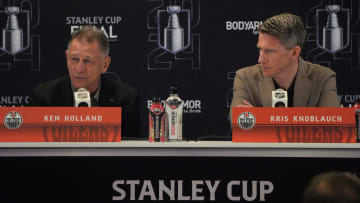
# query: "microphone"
{"type": "Point", "coordinates": [279, 98]}
{"type": "Point", "coordinates": [82, 98]}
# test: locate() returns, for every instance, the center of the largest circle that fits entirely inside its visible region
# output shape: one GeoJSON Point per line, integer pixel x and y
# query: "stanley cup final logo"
{"type": "Point", "coordinates": [20, 43]}
{"type": "Point", "coordinates": [12, 33]}
{"type": "Point", "coordinates": [333, 34]}
{"type": "Point", "coordinates": [171, 34]}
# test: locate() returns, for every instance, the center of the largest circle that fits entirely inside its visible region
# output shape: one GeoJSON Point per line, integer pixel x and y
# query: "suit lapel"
{"type": "Point", "coordinates": [66, 95]}
{"type": "Point", "coordinates": [266, 86]}
{"type": "Point", "coordinates": [303, 85]}
{"type": "Point", "coordinates": [107, 96]}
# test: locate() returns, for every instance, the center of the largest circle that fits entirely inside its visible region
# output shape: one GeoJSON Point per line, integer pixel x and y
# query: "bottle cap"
{"type": "Point", "coordinates": [156, 99]}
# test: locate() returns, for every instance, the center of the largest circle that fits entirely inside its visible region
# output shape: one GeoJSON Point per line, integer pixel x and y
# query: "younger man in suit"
{"type": "Point", "coordinates": [280, 41]}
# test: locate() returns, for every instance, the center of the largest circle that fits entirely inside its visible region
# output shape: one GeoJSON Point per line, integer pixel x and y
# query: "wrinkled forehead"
{"type": "Point", "coordinates": [85, 39]}
{"type": "Point", "coordinates": [84, 46]}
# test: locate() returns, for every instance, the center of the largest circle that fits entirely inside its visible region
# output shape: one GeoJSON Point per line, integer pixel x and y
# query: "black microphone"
{"type": "Point", "coordinates": [82, 98]}
{"type": "Point", "coordinates": [279, 98]}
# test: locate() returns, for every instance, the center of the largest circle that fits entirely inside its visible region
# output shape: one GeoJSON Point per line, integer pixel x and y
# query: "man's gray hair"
{"type": "Point", "coordinates": [287, 28]}
{"type": "Point", "coordinates": [90, 34]}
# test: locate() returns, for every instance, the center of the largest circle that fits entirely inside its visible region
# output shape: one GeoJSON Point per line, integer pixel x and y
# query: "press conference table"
{"type": "Point", "coordinates": [181, 149]}
{"type": "Point", "coordinates": [96, 172]}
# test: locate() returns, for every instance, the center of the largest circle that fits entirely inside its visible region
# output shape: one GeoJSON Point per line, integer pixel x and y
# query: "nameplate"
{"type": "Point", "coordinates": [60, 124]}
{"type": "Point", "coordinates": [293, 125]}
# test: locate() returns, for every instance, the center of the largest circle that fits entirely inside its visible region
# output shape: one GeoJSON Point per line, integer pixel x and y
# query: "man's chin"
{"type": "Point", "coordinates": [266, 74]}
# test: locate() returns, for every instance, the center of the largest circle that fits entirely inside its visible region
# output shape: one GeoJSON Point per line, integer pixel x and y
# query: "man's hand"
{"type": "Point", "coordinates": [245, 104]}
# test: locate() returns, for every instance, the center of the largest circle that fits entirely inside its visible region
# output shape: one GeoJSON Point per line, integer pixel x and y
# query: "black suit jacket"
{"type": "Point", "coordinates": [113, 93]}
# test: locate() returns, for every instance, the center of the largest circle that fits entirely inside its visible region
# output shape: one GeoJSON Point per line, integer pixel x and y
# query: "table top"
{"type": "Point", "coordinates": [181, 149]}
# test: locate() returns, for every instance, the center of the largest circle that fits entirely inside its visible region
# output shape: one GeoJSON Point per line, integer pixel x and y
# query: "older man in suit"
{"type": "Point", "coordinates": [280, 42]}
{"type": "Point", "coordinates": [88, 61]}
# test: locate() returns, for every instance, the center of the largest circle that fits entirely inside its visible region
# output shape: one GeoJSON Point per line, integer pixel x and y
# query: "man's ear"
{"type": "Point", "coordinates": [66, 57]}
{"type": "Point", "coordinates": [107, 61]}
{"type": "Point", "coordinates": [296, 52]}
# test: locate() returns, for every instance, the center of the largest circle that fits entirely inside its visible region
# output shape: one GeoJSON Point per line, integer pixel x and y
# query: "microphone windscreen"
{"type": "Point", "coordinates": [82, 98]}
{"type": "Point", "coordinates": [279, 98]}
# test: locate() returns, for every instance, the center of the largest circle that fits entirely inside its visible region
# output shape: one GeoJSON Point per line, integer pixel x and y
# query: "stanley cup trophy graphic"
{"type": "Point", "coordinates": [332, 32]}
{"type": "Point", "coordinates": [174, 33]}
{"type": "Point", "coordinates": [12, 34]}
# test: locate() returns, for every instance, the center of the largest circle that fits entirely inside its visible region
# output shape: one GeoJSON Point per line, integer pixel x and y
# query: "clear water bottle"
{"type": "Point", "coordinates": [174, 111]}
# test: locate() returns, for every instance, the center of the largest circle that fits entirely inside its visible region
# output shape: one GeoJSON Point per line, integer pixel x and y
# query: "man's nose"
{"type": "Point", "coordinates": [261, 58]}
{"type": "Point", "coordinates": [81, 67]}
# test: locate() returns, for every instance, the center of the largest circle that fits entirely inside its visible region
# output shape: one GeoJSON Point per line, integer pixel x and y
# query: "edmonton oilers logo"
{"type": "Point", "coordinates": [13, 120]}
{"type": "Point", "coordinates": [246, 120]}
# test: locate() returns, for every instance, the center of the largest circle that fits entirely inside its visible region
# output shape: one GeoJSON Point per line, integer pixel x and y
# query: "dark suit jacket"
{"type": "Point", "coordinates": [113, 93]}
{"type": "Point", "coordinates": [315, 86]}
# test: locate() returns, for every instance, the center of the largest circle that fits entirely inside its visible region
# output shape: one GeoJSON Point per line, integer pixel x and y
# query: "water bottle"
{"type": "Point", "coordinates": [156, 121]}
{"type": "Point", "coordinates": [357, 120]}
{"type": "Point", "coordinates": [174, 113]}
